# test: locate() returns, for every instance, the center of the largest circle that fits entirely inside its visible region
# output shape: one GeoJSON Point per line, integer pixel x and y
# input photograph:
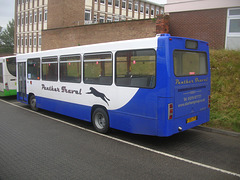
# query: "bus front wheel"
{"type": "Point", "coordinates": [100, 120]}
{"type": "Point", "coordinates": [33, 103]}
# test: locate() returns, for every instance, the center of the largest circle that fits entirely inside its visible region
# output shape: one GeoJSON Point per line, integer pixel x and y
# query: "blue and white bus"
{"type": "Point", "coordinates": [155, 86]}
{"type": "Point", "coordinates": [8, 80]}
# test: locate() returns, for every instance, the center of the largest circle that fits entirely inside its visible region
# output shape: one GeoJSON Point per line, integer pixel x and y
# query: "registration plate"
{"type": "Point", "coordinates": [191, 119]}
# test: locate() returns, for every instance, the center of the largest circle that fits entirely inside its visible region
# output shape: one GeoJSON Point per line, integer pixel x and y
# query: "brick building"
{"type": "Point", "coordinates": [215, 21]}
{"type": "Point", "coordinates": [35, 16]}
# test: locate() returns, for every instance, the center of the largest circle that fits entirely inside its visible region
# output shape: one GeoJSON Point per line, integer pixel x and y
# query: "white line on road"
{"type": "Point", "coordinates": [129, 143]}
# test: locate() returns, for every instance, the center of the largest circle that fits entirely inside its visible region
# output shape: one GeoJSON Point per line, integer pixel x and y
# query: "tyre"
{"type": "Point", "coordinates": [100, 120]}
{"type": "Point", "coordinates": [33, 103]}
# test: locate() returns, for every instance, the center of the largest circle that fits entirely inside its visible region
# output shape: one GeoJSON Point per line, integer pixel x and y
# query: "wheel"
{"type": "Point", "coordinates": [33, 103]}
{"type": "Point", "coordinates": [100, 120]}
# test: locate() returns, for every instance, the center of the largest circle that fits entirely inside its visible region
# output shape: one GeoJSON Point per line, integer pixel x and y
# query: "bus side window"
{"type": "Point", "coordinates": [98, 68]}
{"type": "Point", "coordinates": [136, 68]}
{"type": "Point", "coordinates": [1, 73]}
{"type": "Point", "coordinates": [70, 68]}
{"type": "Point", "coordinates": [33, 69]}
{"type": "Point", "coordinates": [49, 68]}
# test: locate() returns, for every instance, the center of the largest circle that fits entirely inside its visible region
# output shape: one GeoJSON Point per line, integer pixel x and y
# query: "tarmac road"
{"type": "Point", "coordinates": [46, 145]}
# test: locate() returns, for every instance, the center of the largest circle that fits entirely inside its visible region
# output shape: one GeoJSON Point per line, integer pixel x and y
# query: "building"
{"type": "Point", "coordinates": [35, 16]}
{"type": "Point", "coordinates": [215, 21]}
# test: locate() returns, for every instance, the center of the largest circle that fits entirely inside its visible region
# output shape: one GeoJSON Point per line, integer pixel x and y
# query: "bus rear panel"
{"type": "Point", "coordinates": [186, 85]}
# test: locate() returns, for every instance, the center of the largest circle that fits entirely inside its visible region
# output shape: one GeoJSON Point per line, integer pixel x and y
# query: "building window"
{"type": "Point", "coordinates": [141, 8]}
{"type": "Point", "coordinates": [35, 17]}
{"type": "Point", "coordinates": [30, 41]}
{"type": "Point", "coordinates": [95, 1]}
{"type": "Point", "coordinates": [87, 15]}
{"type": "Point", "coordinates": [102, 1]}
{"type": "Point", "coordinates": [109, 2]}
{"type": "Point", "coordinates": [26, 18]}
{"type": "Point", "coordinates": [40, 16]}
{"type": "Point", "coordinates": [109, 19]}
{"type": "Point", "coordinates": [147, 10]}
{"type": "Point", "coordinates": [136, 7]}
{"type": "Point", "coordinates": [18, 41]}
{"type": "Point", "coordinates": [18, 22]}
{"type": "Point", "coordinates": [30, 18]}
{"type": "Point", "coordinates": [35, 41]}
{"type": "Point", "coordinates": [45, 15]}
{"type": "Point", "coordinates": [22, 41]}
{"type": "Point", "coordinates": [123, 4]}
{"type": "Point", "coordinates": [26, 40]}
{"type": "Point", "coordinates": [157, 12]}
{"type": "Point", "coordinates": [152, 11]}
{"type": "Point", "coordinates": [102, 19]}
{"type": "Point", "coordinates": [130, 5]}
{"type": "Point", "coordinates": [117, 3]}
{"type": "Point", "coordinates": [39, 40]}
{"type": "Point", "coordinates": [22, 19]}
{"type": "Point", "coordinates": [70, 68]}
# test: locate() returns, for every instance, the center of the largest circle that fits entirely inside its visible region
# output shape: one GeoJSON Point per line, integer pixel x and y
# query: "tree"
{"type": "Point", "coordinates": [7, 38]}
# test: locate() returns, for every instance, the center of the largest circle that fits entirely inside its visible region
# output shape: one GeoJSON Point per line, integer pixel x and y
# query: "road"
{"type": "Point", "coordinates": [46, 145]}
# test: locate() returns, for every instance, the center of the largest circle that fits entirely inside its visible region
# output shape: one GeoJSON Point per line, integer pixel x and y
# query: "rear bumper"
{"type": "Point", "coordinates": [180, 124]}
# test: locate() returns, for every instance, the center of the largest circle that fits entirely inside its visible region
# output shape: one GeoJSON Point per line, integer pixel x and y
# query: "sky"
{"type": "Point", "coordinates": [7, 10]}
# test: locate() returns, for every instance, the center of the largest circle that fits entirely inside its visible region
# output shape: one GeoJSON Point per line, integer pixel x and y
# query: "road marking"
{"type": "Point", "coordinates": [129, 143]}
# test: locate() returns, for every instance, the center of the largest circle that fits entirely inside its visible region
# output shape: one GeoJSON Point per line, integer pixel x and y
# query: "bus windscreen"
{"type": "Point", "coordinates": [189, 63]}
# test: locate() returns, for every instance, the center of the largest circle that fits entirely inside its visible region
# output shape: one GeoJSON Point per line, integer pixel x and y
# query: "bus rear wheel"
{"type": "Point", "coordinates": [33, 103]}
{"type": "Point", "coordinates": [100, 120]}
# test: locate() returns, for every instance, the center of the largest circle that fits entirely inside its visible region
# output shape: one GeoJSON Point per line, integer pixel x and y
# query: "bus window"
{"type": "Point", "coordinates": [49, 69]}
{"type": "Point", "coordinates": [70, 68]}
{"type": "Point", "coordinates": [188, 63]}
{"type": "Point", "coordinates": [1, 73]}
{"type": "Point", "coordinates": [136, 68]}
{"type": "Point", "coordinates": [33, 69]}
{"type": "Point", "coordinates": [98, 68]}
{"type": "Point", "coordinates": [11, 66]}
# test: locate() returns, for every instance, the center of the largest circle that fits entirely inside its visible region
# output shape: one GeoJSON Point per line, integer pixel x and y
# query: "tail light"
{"type": "Point", "coordinates": [209, 101]}
{"type": "Point", "coordinates": [170, 111]}
{"type": "Point", "coordinates": [6, 86]}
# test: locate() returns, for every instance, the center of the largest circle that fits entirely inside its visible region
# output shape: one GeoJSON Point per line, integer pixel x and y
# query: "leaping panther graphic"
{"type": "Point", "coordinates": [98, 94]}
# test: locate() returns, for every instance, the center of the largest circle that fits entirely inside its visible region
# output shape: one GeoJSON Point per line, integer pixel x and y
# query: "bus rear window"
{"type": "Point", "coordinates": [187, 63]}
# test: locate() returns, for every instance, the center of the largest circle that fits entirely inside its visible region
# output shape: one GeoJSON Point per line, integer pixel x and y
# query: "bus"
{"type": "Point", "coordinates": [155, 86]}
{"type": "Point", "coordinates": [8, 79]}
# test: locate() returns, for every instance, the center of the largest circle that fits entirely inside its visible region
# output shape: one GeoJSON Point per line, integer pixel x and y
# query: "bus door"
{"type": "Point", "coordinates": [1, 77]}
{"type": "Point", "coordinates": [22, 96]}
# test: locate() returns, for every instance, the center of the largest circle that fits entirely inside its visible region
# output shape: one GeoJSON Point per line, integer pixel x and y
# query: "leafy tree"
{"type": "Point", "coordinates": [7, 38]}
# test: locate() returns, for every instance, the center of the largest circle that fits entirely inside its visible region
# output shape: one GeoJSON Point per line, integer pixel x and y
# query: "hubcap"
{"type": "Point", "coordinates": [100, 121]}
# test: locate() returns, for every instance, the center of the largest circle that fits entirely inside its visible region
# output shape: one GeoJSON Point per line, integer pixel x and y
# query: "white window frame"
{"type": "Point", "coordinates": [229, 18]}
{"type": "Point", "coordinates": [40, 16]}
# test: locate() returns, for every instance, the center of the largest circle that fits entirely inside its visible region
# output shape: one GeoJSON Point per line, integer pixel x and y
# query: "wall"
{"type": "Point", "coordinates": [189, 5]}
{"type": "Point", "coordinates": [64, 13]}
{"type": "Point", "coordinates": [97, 33]}
{"type": "Point", "coordinates": [207, 25]}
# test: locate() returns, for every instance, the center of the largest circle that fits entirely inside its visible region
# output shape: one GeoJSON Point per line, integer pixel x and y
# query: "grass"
{"type": "Point", "coordinates": [225, 92]}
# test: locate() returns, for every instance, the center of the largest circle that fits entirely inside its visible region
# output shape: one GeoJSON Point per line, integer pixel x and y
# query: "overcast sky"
{"type": "Point", "coordinates": [7, 10]}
